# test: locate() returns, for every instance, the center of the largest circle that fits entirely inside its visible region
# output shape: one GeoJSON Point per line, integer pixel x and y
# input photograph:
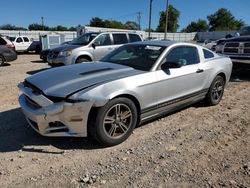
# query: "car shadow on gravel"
{"type": "Point", "coordinates": [16, 135]}
{"type": "Point", "coordinates": [37, 71]}
{"type": "Point", "coordinates": [240, 74]}
{"type": "Point", "coordinates": [38, 61]}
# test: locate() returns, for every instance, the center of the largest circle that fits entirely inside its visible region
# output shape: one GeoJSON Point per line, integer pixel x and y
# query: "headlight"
{"type": "Point", "coordinates": [65, 53]}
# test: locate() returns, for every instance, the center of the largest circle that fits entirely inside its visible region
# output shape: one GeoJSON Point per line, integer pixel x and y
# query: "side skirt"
{"type": "Point", "coordinates": [171, 106]}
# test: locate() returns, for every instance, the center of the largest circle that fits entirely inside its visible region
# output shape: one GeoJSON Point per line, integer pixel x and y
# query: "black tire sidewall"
{"type": "Point", "coordinates": [81, 60]}
{"type": "Point", "coordinates": [100, 134]}
{"type": "Point", "coordinates": [209, 98]}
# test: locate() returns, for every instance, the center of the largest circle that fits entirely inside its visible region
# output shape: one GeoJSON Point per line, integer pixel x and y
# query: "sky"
{"type": "Point", "coordinates": [75, 12]}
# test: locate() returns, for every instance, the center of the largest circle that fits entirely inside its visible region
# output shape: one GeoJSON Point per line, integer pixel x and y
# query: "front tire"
{"type": "Point", "coordinates": [115, 121]}
{"type": "Point", "coordinates": [81, 60]}
{"type": "Point", "coordinates": [216, 91]}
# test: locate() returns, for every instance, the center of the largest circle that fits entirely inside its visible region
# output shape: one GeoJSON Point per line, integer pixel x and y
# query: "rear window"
{"type": "Point", "coordinates": [207, 54]}
{"type": "Point", "coordinates": [25, 39]}
{"type": "Point", "coordinates": [120, 38]}
{"type": "Point", "coordinates": [2, 41]}
{"type": "Point", "coordinates": [134, 38]}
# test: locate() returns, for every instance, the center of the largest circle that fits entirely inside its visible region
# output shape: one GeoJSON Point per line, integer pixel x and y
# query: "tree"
{"type": "Point", "coordinates": [96, 22]}
{"type": "Point", "coordinates": [199, 26]}
{"type": "Point", "coordinates": [223, 20]}
{"type": "Point", "coordinates": [11, 27]}
{"type": "Point", "coordinates": [38, 27]}
{"type": "Point", "coordinates": [173, 18]}
{"type": "Point", "coordinates": [59, 28]}
{"type": "Point", "coordinates": [132, 25]}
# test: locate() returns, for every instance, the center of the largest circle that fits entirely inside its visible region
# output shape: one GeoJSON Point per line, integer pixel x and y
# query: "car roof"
{"type": "Point", "coordinates": [157, 42]}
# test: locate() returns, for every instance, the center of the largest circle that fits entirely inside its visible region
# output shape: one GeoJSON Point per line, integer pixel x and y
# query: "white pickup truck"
{"type": "Point", "coordinates": [24, 43]}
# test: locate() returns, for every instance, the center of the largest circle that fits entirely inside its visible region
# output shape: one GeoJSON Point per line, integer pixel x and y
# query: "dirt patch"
{"type": "Point", "coordinates": [195, 147]}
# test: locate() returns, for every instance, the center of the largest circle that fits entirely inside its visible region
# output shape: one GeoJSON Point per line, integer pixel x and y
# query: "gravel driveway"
{"type": "Point", "coordinates": [196, 147]}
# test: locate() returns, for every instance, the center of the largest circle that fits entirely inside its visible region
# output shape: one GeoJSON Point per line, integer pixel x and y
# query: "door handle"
{"type": "Point", "coordinates": [199, 71]}
{"type": "Point", "coordinates": [110, 48]}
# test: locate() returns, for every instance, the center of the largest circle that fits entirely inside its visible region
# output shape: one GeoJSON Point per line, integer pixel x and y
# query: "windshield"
{"type": "Point", "coordinates": [84, 39]}
{"type": "Point", "coordinates": [137, 56]}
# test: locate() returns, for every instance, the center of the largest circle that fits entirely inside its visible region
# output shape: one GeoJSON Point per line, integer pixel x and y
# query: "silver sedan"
{"type": "Point", "coordinates": [131, 85]}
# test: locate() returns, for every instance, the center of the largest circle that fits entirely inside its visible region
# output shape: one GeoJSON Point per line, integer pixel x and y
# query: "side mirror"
{"type": "Point", "coordinates": [93, 45]}
{"type": "Point", "coordinates": [171, 65]}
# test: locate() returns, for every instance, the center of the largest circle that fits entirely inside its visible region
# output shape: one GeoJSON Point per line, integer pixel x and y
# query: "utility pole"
{"type": "Point", "coordinates": [139, 20]}
{"type": "Point", "coordinates": [42, 23]}
{"type": "Point", "coordinates": [166, 24]}
{"type": "Point", "coordinates": [150, 15]}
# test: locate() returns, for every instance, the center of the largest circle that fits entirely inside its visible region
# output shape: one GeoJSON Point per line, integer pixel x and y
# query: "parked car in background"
{"type": "Point", "coordinates": [44, 53]}
{"type": "Point", "coordinates": [4, 41]}
{"type": "Point", "coordinates": [237, 48]}
{"type": "Point", "coordinates": [25, 44]}
{"type": "Point", "coordinates": [6, 55]}
{"type": "Point", "coordinates": [90, 47]}
{"type": "Point", "coordinates": [131, 85]}
{"type": "Point", "coordinates": [21, 43]}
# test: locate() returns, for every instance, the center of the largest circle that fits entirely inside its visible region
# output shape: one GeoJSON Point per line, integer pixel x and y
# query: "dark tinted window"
{"type": "Point", "coordinates": [134, 38]}
{"type": "Point", "coordinates": [25, 39]}
{"type": "Point", "coordinates": [120, 38]}
{"type": "Point", "coordinates": [141, 57]}
{"type": "Point", "coordinates": [207, 54]}
{"type": "Point", "coordinates": [19, 39]}
{"type": "Point", "coordinates": [2, 41]}
{"type": "Point", "coordinates": [185, 55]}
{"type": "Point", "coordinates": [103, 40]}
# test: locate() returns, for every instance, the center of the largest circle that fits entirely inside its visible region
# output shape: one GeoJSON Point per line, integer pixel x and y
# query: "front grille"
{"type": "Point", "coordinates": [53, 54]}
{"type": "Point", "coordinates": [237, 48]}
{"type": "Point", "coordinates": [231, 47]}
{"type": "Point", "coordinates": [32, 103]}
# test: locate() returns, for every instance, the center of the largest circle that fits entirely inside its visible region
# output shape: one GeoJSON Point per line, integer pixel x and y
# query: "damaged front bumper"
{"type": "Point", "coordinates": [54, 119]}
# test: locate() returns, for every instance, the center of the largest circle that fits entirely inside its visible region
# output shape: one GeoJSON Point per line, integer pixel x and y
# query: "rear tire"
{"type": "Point", "coordinates": [1, 60]}
{"type": "Point", "coordinates": [115, 122]}
{"type": "Point", "coordinates": [81, 60]}
{"type": "Point", "coordinates": [215, 91]}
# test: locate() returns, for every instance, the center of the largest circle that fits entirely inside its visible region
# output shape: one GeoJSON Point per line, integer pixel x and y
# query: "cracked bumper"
{"type": "Point", "coordinates": [56, 119]}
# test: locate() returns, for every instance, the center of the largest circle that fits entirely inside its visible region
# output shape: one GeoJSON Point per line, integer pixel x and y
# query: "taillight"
{"type": "Point", "coordinates": [11, 46]}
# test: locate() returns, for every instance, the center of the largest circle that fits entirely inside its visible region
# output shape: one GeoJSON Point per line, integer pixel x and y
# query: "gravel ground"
{"type": "Point", "coordinates": [196, 147]}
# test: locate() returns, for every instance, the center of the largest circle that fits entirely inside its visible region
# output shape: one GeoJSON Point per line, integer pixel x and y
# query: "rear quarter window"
{"type": "Point", "coordinates": [207, 54]}
{"type": "Point", "coordinates": [120, 38]}
{"type": "Point", "coordinates": [25, 39]}
{"type": "Point", "coordinates": [134, 37]}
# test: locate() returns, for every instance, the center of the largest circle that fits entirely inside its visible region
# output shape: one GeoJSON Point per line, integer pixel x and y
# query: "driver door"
{"type": "Point", "coordinates": [102, 46]}
{"type": "Point", "coordinates": [178, 84]}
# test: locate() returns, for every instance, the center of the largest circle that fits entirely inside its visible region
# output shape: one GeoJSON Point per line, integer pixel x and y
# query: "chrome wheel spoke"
{"type": "Point", "coordinates": [125, 115]}
{"type": "Point", "coordinates": [112, 130]}
{"type": "Point", "coordinates": [123, 127]}
{"type": "Point", "coordinates": [109, 120]}
{"type": "Point", "coordinates": [220, 88]}
{"type": "Point", "coordinates": [117, 109]}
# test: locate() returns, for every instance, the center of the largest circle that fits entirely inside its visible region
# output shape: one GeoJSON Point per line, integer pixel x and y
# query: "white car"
{"type": "Point", "coordinates": [21, 43]}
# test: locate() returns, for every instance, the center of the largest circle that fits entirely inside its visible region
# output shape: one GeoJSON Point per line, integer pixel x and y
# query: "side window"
{"type": "Point", "coordinates": [2, 41]}
{"type": "Point", "coordinates": [120, 38]}
{"type": "Point", "coordinates": [103, 40]}
{"type": "Point", "coordinates": [184, 55]}
{"type": "Point", "coordinates": [207, 54]}
{"type": "Point", "coordinates": [19, 39]}
{"type": "Point", "coordinates": [134, 37]}
{"type": "Point", "coordinates": [25, 39]}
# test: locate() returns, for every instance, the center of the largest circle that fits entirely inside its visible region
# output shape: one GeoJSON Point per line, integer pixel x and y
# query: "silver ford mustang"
{"type": "Point", "coordinates": [135, 83]}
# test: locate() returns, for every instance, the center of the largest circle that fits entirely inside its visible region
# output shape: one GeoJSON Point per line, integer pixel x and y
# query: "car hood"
{"type": "Point", "coordinates": [63, 81]}
{"type": "Point", "coordinates": [65, 48]}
